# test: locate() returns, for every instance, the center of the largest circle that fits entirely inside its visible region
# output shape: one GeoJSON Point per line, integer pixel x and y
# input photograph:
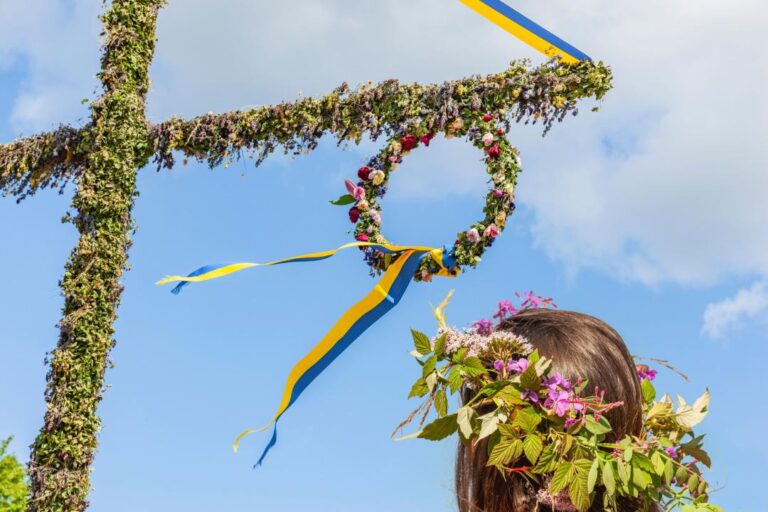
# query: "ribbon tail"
{"type": "Point", "coordinates": [380, 300]}
{"type": "Point", "coordinates": [270, 445]}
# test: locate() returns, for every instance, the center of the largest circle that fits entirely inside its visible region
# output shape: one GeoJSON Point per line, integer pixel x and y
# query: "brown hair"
{"type": "Point", "coordinates": [579, 346]}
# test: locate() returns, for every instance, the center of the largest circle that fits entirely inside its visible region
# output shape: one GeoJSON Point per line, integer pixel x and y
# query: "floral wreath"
{"type": "Point", "coordinates": [502, 164]}
{"type": "Point", "coordinates": [552, 431]}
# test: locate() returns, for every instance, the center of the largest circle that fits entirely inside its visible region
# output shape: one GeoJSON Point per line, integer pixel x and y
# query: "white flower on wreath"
{"type": "Point", "coordinates": [488, 139]}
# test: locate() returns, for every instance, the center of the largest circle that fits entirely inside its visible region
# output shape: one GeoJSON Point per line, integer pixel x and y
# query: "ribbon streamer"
{"type": "Point", "coordinates": [380, 300]}
{"type": "Point", "coordinates": [526, 30]}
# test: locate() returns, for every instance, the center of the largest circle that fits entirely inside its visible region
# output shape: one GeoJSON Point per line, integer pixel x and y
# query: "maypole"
{"type": "Point", "coordinates": [118, 145]}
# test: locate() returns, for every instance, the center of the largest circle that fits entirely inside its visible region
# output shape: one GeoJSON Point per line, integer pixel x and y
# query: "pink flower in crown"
{"type": "Point", "coordinates": [531, 396]}
{"type": "Point", "coordinates": [483, 326]}
{"type": "Point", "coordinates": [533, 301]}
{"type": "Point", "coordinates": [644, 372]}
{"type": "Point", "coordinates": [506, 308]}
{"type": "Point", "coordinates": [571, 422]}
{"type": "Point", "coordinates": [558, 401]}
{"type": "Point", "coordinates": [375, 216]}
{"type": "Point", "coordinates": [498, 193]}
{"type": "Point", "coordinates": [362, 237]}
{"type": "Point", "coordinates": [488, 139]}
{"type": "Point", "coordinates": [556, 381]}
{"type": "Point", "coordinates": [357, 192]}
{"type": "Point", "coordinates": [518, 366]}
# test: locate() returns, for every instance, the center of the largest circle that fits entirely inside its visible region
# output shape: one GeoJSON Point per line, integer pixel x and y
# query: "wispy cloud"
{"type": "Point", "coordinates": [56, 45]}
{"type": "Point", "coordinates": [748, 304]}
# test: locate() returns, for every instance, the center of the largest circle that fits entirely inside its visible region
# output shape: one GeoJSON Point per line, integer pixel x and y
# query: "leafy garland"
{"type": "Point", "coordinates": [542, 94]}
{"type": "Point", "coordinates": [545, 428]}
{"type": "Point", "coordinates": [502, 164]}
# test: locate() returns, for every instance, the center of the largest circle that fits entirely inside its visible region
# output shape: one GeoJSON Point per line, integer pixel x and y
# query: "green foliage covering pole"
{"type": "Point", "coordinates": [62, 454]}
{"type": "Point", "coordinates": [13, 487]}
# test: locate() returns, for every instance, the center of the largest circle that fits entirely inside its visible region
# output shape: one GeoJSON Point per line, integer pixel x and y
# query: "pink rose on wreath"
{"type": "Point", "coordinates": [408, 142]}
{"type": "Point", "coordinates": [494, 151]}
{"type": "Point", "coordinates": [488, 139]}
{"type": "Point", "coordinates": [357, 192]}
{"type": "Point", "coordinates": [498, 193]}
{"type": "Point", "coordinates": [473, 235]}
{"type": "Point", "coordinates": [491, 231]}
{"type": "Point", "coordinates": [362, 237]}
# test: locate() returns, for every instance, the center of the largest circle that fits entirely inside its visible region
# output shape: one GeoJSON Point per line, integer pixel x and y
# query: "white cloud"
{"type": "Point", "coordinates": [56, 46]}
{"type": "Point", "coordinates": [747, 304]}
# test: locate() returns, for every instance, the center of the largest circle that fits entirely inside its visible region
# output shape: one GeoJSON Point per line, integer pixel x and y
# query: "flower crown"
{"type": "Point", "coordinates": [552, 431]}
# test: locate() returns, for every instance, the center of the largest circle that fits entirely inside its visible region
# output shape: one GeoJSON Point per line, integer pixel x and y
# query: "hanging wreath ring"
{"type": "Point", "coordinates": [502, 165]}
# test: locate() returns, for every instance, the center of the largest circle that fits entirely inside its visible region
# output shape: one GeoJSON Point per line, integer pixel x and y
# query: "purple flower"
{"type": "Point", "coordinates": [498, 365]}
{"type": "Point", "coordinates": [672, 452]}
{"type": "Point", "coordinates": [506, 308]}
{"type": "Point", "coordinates": [571, 422]}
{"type": "Point", "coordinates": [518, 366]}
{"type": "Point", "coordinates": [483, 326]}
{"type": "Point", "coordinates": [644, 372]}
{"type": "Point", "coordinates": [498, 193]}
{"type": "Point", "coordinates": [557, 380]}
{"type": "Point", "coordinates": [533, 301]}
{"type": "Point", "coordinates": [559, 401]}
{"type": "Point", "coordinates": [530, 395]}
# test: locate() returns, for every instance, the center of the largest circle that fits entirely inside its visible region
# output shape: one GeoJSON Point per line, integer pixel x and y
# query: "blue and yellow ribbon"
{"type": "Point", "coordinates": [382, 298]}
{"type": "Point", "coordinates": [526, 30]}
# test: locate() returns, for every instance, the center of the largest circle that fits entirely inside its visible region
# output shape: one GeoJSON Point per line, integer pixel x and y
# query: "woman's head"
{"type": "Point", "coordinates": [580, 346]}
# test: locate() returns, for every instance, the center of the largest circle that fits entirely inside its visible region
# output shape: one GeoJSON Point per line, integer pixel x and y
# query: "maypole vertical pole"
{"type": "Point", "coordinates": [63, 452]}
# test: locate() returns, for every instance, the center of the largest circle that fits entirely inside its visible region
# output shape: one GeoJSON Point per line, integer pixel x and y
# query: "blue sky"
{"type": "Point", "coordinates": [632, 214]}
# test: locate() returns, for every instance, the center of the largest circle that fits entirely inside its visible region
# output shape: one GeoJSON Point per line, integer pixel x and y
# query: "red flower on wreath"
{"type": "Point", "coordinates": [363, 173]}
{"type": "Point", "coordinates": [354, 214]}
{"type": "Point", "coordinates": [362, 237]}
{"type": "Point", "coordinates": [426, 138]}
{"type": "Point", "coordinates": [408, 142]}
{"type": "Point", "coordinates": [494, 151]}
{"type": "Point", "coordinates": [487, 117]}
